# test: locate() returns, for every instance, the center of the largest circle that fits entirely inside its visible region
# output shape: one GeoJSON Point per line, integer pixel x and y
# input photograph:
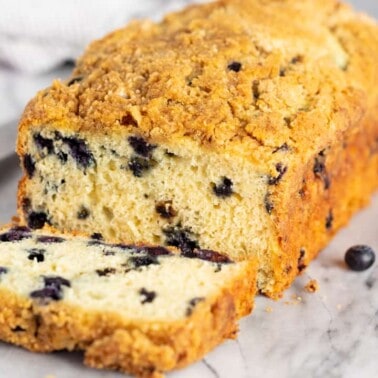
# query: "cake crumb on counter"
{"type": "Point", "coordinates": [312, 286]}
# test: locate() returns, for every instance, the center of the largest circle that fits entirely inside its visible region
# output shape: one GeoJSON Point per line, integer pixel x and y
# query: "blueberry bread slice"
{"type": "Point", "coordinates": [138, 309]}
{"type": "Point", "coordinates": [245, 127]}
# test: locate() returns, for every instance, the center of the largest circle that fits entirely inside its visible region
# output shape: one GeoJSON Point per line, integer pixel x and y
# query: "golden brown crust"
{"type": "Point", "coordinates": [171, 80]}
{"type": "Point", "coordinates": [112, 342]}
{"type": "Point", "coordinates": [309, 214]}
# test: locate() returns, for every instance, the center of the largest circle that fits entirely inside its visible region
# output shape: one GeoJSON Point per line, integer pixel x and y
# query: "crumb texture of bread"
{"type": "Point", "coordinates": [140, 309]}
{"type": "Point", "coordinates": [244, 127]}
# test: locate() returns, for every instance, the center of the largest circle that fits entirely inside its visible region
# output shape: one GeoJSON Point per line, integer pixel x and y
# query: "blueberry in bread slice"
{"type": "Point", "coordinates": [138, 309]}
{"type": "Point", "coordinates": [247, 127]}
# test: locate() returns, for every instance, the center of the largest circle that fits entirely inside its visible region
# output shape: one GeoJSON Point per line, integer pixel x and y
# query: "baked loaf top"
{"type": "Point", "coordinates": [245, 77]}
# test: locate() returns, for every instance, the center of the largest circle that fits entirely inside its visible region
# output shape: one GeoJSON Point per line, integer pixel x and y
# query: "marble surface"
{"type": "Point", "coordinates": [331, 333]}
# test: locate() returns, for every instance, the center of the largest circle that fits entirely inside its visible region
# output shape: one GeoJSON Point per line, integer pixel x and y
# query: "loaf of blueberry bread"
{"type": "Point", "coordinates": [138, 309]}
{"type": "Point", "coordinates": [245, 127]}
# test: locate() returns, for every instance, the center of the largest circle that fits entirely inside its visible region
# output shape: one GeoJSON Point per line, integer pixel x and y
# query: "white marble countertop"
{"type": "Point", "coordinates": [331, 333]}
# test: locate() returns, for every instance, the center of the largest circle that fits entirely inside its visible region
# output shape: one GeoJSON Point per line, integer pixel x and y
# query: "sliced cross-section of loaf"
{"type": "Point", "coordinates": [248, 127]}
{"type": "Point", "coordinates": [138, 309]}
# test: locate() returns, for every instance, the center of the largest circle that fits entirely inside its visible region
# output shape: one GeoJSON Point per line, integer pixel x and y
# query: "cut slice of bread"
{"type": "Point", "coordinates": [138, 309]}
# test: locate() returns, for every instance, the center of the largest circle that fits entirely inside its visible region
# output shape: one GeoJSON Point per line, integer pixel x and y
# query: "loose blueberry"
{"type": "Point", "coordinates": [105, 272]}
{"type": "Point", "coordinates": [44, 143]}
{"type": "Point", "coordinates": [320, 170]}
{"type": "Point", "coordinates": [139, 261]}
{"type": "Point", "coordinates": [29, 165]}
{"type": "Point", "coordinates": [281, 169]}
{"type": "Point", "coordinates": [148, 296]}
{"type": "Point", "coordinates": [36, 254]}
{"type": "Point", "coordinates": [224, 188]}
{"type": "Point", "coordinates": [141, 147]}
{"type": "Point", "coordinates": [235, 66]}
{"type": "Point", "coordinates": [50, 239]}
{"type": "Point", "coordinates": [165, 209]}
{"type": "Point", "coordinates": [3, 270]}
{"type": "Point", "coordinates": [37, 220]}
{"type": "Point", "coordinates": [360, 257]}
{"type": "Point", "coordinates": [192, 304]}
{"type": "Point", "coordinates": [181, 238]}
{"type": "Point", "coordinates": [79, 151]}
{"type": "Point", "coordinates": [138, 165]}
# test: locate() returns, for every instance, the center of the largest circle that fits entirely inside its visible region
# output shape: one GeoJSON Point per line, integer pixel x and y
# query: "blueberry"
{"type": "Point", "coordinates": [269, 206]}
{"type": "Point", "coordinates": [50, 239]}
{"type": "Point", "coordinates": [52, 289]}
{"type": "Point", "coordinates": [44, 143]}
{"type": "Point", "coordinates": [97, 236]}
{"type": "Point", "coordinates": [301, 264]}
{"type": "Point", "coordinates": [148, 296]}
{"type": "Point", "coordinates": [105, 272]}
{"type": "Point", "coordinates": [181, 238]}
{"type": "Point", "coordinates": [47, 293]}
{"type": "Point", "coordinates": [79, 151]}
{"type": "Point", "coordinates": [3, 270]}
{"type": "Point", "coordinates": [208, 255]}
{"type": "Point", "coordinates": [75, 80]}
{"type": "Point", "coordinates": [141, 147]}
{"type": "Point", "coordinates": [235, 66]}
{"type": "Point", "coordinates": [329, 220]}
{"type": "Point", "coordinates": [16, 234]}
{"type": "Point", "coordinates": [360, 257]}
{"type": "Point", "coordinates": [36, 254]}
{"type": "Point", "coordinates": [83, 213]}
{"type": "Point", "coordinates": [138, 165]}
{"type": "Point", "coordinates": [56, 281]}
{"type": "Point", "coordinates": [29, 165]}
{"type": "Point", "coordinates": [139, 261]}
{"type": "Point", "coordinates": [37, 220]}
{"type": "Point", "coordinates": [154, 251]}
{"type": "Point", "coordinates": [193, 303]}
{"type": "Point", "coordinates": [281, 169]}
{"type": "Point", "coordinates": [224, 188]}
{"type": "Point", "coordinates": [165, 209]}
